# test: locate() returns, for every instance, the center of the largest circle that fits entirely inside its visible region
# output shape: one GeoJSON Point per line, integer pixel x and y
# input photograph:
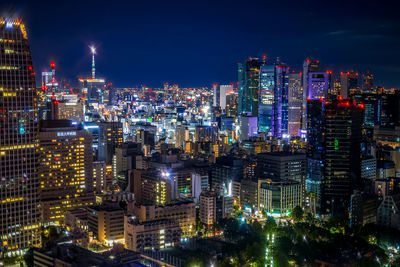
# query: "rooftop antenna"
{"type": "Point", "coordinates": [93, 51]}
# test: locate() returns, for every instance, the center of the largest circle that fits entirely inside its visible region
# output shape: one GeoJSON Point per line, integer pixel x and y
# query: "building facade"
{"type": "Point", "coordinates": [19, 214]}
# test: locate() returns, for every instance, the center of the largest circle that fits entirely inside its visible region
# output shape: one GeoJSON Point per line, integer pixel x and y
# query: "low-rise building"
{"type": "Point", "coordinates": [152, 235]}
{"type": "Point", "coordinates": [184, 212]}
{"type": "Point", "coordinates": [281, 197]}
{"type": "Point", "coordinates": [107, 223]}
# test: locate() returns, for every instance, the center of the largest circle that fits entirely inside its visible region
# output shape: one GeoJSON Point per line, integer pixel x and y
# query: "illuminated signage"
{"type": "Point", "coordinates": [61, 134]}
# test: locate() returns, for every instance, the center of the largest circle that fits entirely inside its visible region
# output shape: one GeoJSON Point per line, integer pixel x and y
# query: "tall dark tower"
{"type": "Point", "coordinates": [19, 217]}
{"type": "Point", "coordinates": [249, 83]}
{"type": "Point", "coordinates": [334, 153]}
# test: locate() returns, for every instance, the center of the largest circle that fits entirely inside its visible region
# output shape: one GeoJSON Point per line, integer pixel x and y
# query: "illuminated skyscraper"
{"type": "Point", "coordinates": [266, 101]}
{"type": "Point", "coordinates": [309, 65]}
{"type": "Point", "coordinates": [368, 83]}
{"type": "Point", "coordinates": [348, 83]}
{"type": "Point", "coordinates": [295, 102]}
{"type": "Point", "coordinates": [219, 96]}
{"type": "Point", "coordinates": [19, 216]}
{"type": "Point", "coordinates": [334, 153]}
{"type": "Point", "coordinates": [318, 84]}
{"type": "Point", "coordinates": [110, 137]}
{"type": "Point", "coordinates": [65, 169]}
{"type": "Point", "coordinates": [281, 108]}
{"type": "Point", "coordinates": [249, 82]}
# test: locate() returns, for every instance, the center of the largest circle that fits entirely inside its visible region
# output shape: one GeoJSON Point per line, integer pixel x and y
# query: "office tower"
{"type": "Point", "coordinates": [368, 83]}
{"type": "Point", "coordinates": [107, 223]}
{"type": "Point", "coordinates": [334, 153]}
{"type": "Point", "coordinates": [232, 104]}
{"type": "Point", "coordinates": [318, 84]}
{"type": "Point", "coordinates": [208, 208]}
{"type": "Point", "coordinates": [249, 82]}
{"type": "Point", "coordinates": [266, 98]}
{"type": "Point", "coordinates": [281, 108]}
{"type": "Point", "coordinates": [65, 169]}
{"type": "Point", "coordinates": [19, 215]}
{"type": "Point", "coordinates": [219, 95]}
{"type": "Point", "coordinates": [309, 65]}
{"type": "Point", "coordinates": [335, 88]}
{"type": "Point", "coordinates": [372, 104]}
{"type": "Point", "coordinates": [282, 166]}
{"type": "Point", "coordinates": [279, 198]}
{"type": "Point", "coordinates": [295, 100]}
{"type": "Point", "coordinates": [348, 83]}
{"type": "Point", "coordinates": [110, 137]}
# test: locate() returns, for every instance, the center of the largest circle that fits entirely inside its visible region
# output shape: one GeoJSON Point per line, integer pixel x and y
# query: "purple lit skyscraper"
{"type": "Point", "coordinates": [318, 84]}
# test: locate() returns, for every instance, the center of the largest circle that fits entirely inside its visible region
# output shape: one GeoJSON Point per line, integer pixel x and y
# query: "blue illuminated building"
{"type": "Point", "coordinates": [266, 99]}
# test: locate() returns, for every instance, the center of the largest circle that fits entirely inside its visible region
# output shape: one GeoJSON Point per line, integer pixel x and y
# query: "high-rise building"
{"type": "Point", "coordinates": [368, 83]}
{"type": "Point", "coordinates": [334, 153]}
{"type": "Point", "coordinates": [348, 83]}
{"type": "Point", "coordinates": [19, 215]}
{"type": "Point", "coordinates": [295, 100]}
{"type": "Point", "coordinates": [318, 84]}
{"type": "Point", "coordinates": [281, 108]}
{"type": "Point", "coordinates": [110, 137]}
{"type": "Point", "coordinates": [219, 95]}
{"type": "Point", "coordinates": [282, 166]}
{"type": "Point", "coordinates": [266, 98]}
{"type": "Point", "coordinates": [309, 65]}
{"type": "Point", "coordinates": [249, 86]}
{"type": "Point", "coordinates": [65, 169]}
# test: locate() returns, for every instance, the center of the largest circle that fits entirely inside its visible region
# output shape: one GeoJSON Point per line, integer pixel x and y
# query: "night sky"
{"type": "Point", "coordinates": [196, 43]}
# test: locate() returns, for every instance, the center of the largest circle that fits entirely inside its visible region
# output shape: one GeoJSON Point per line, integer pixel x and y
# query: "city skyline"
{"type": "Point", "coordinates": [195, 45]}
{"type": "Point", "coordinates": [283, 163]}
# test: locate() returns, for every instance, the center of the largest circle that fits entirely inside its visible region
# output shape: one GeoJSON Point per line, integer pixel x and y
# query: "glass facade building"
{"type": "Point", "coordinates": [249, 81]}
{"type": "Point", "coordinates": [19, 216]}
